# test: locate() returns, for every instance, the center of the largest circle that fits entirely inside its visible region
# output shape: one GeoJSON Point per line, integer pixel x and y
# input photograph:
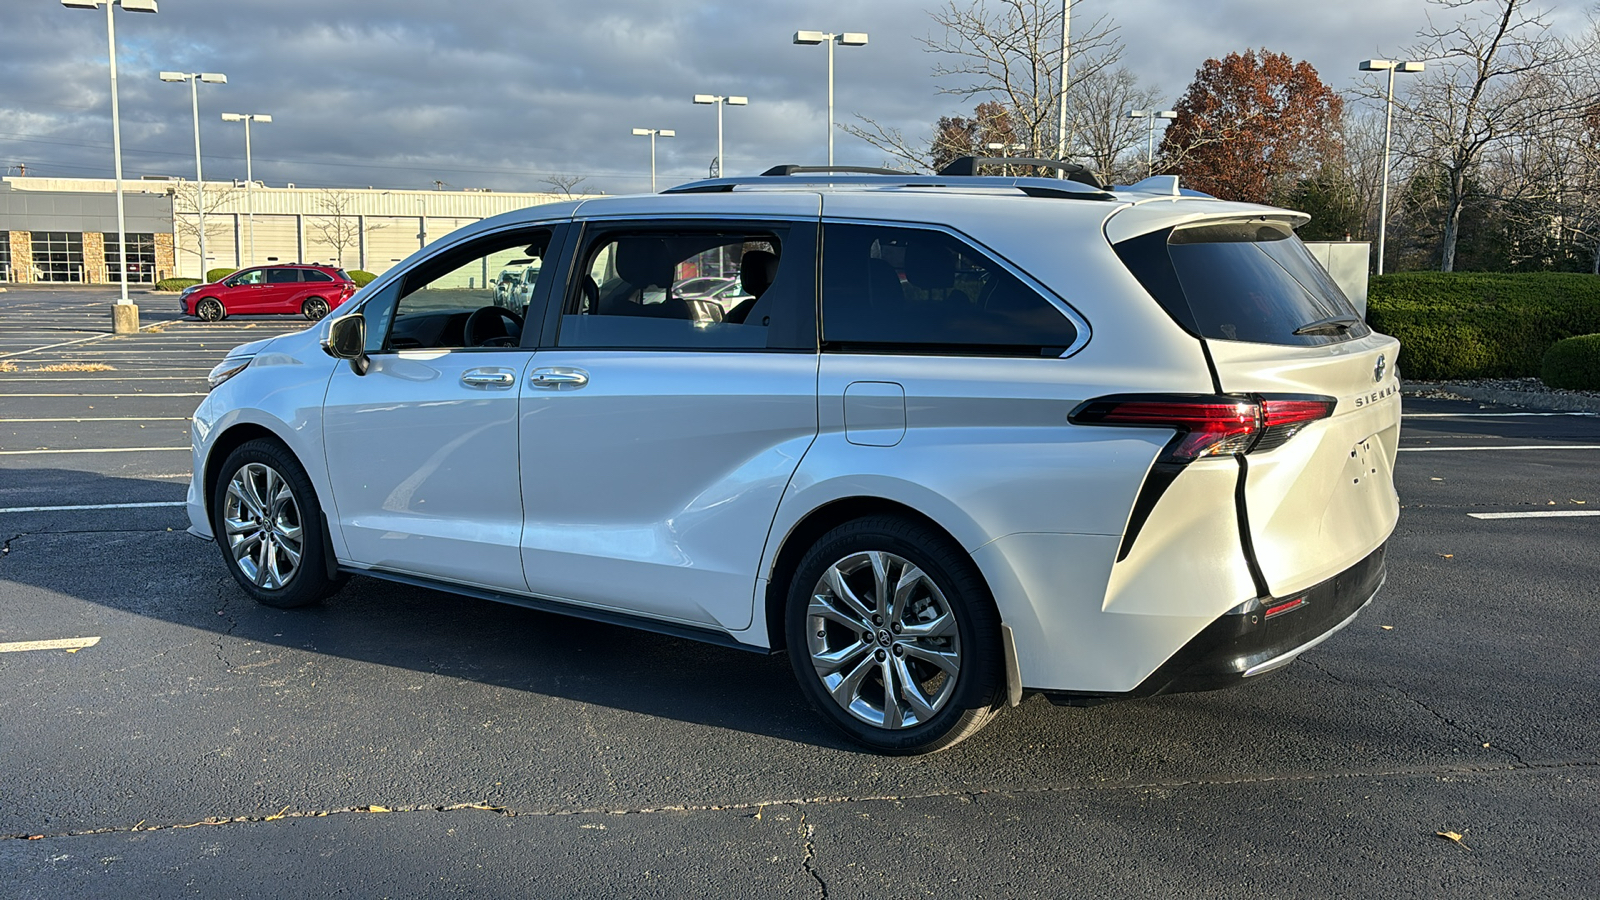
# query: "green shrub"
{"type": "Point", "coordinates": [1573, 364]}
{"type": "Point", "coordinates": [1481, 325]}
{"type": "Point", "coordinates": [361, 278]}
{"type": "Point", "coordinates": [215, 275]}
{"type": "Point", "coordinates": [175, 284]}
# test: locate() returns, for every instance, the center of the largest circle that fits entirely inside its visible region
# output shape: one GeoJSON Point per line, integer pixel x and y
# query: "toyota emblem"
{"type": "Point", "coordinates": [1380, 368]}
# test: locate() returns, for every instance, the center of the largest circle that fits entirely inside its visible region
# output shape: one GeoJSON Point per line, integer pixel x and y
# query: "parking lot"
{"type": "Point", "coordinates": [398, 741]}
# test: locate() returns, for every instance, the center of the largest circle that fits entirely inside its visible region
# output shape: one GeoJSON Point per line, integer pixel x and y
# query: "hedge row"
{"type": "Point", "coordinates": [1481, 325]}
{"type": "Point", "coordinates": [176, 284]}
{"type": "Point", "coordinates": [360, 277]}
{"type": "Point", "coordinates": [1573, 364]}
{"type": "Point", "coordinates": [215, 275]}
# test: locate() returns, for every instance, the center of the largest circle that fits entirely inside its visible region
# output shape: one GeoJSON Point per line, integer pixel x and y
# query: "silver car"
{"type": "Point", "coordinates": [968, 438]}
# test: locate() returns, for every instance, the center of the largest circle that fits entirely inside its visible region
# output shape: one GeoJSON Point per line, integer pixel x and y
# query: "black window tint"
{"type": "Point", "coordinates": [634, 289]}
{"type": "Point", "coordinates": [920, 291]}
{"type": "Point", "coordinates": [282, 276]}
{"type": "Point", "coordinates": [314, 275]}
{"type": "Point", "coordinates": [1240, 281]}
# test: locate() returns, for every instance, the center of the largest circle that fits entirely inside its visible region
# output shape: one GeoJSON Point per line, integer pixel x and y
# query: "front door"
{"type": "Point", "coordinates": [423, 448]}
{"type": "Point", "coordinates": [658, 434]}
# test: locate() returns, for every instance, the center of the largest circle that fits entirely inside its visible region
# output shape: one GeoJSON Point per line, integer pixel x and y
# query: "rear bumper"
{"type": "Point", "coordinates": [1246, 642]}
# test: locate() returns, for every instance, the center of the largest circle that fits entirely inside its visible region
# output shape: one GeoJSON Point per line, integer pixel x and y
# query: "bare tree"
{"type": "Point", "coordinates": [186, 201]}
{"type": "Point", "coordinates": [1009, 52]}
{"type": "Point", "coordinates": [565, 185]}
{"type": "Point", "coordinates": [1099, 107]}
{"type": "Point", "coordinates": [1494, 75]}
{"type": "Point", "coordinates": [338, 226]}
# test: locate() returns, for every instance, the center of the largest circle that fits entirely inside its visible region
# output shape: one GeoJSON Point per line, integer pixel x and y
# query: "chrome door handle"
{"type": "Point", "coordinates": [559, 377]}
{"type": "Point", "coordinates": [478, 378]}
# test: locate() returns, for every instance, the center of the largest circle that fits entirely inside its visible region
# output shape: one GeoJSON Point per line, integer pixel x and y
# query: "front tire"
{"type": "Point", "coordinates": [209, 309]}
{"type": "Point", "coordinates": [894, 637]}
{"type": "Point", "coordinates": [268, 523]}
{"type": "Point", "coordinates": [314, 308]}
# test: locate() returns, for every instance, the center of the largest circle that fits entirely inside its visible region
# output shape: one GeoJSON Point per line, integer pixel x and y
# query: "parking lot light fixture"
{"type": "Point", "coordinates": [249, 176]}
{"type": "Point", "coordinates": [1150, 140]}
{"type": "Point", "coordinates": [849, 39]}
{"type": "Point", "coordinates": [719, 100]}
{"type": "Point", "coordinates": [194, 79]}
{"type": "Point", "coordinates": [1390, 66]}
{"type": "Point", "coordinates": [654, 133]}
{"type": "Point", "coordinates": [126, 319]}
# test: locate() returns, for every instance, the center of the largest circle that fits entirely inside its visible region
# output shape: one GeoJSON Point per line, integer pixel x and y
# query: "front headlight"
{"type": "Point", "coordinates": [228, 368]}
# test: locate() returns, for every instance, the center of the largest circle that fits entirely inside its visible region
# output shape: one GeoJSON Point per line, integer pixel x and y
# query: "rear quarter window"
{"type": "Point", "coordinates": [1241, 281]}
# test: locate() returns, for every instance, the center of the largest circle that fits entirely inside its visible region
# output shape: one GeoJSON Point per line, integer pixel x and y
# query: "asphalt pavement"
{"type": "Point", "coordinates": [404, 742]}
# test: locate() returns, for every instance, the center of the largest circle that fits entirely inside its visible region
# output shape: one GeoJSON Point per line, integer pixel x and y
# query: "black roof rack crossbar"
{"type": "Point", "coordinates": [969, 165]}
{"type": "Point", "coordinates": [816, 170]}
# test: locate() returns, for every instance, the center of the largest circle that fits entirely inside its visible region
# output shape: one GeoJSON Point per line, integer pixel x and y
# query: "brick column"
{"type": "Point", "coordinates": [22, 256]}
{"type": "Point", "coordinates": [94, 258]}
{"type": "Point", "coordinates": [166, 257]}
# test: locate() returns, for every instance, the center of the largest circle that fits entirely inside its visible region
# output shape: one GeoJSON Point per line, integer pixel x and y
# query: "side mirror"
{"type": "Point", "coordinates": [347, 339]}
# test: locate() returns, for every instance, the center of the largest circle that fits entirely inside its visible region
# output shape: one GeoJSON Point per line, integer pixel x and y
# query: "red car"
{"type": "Point", "coordinates": [309, 290]}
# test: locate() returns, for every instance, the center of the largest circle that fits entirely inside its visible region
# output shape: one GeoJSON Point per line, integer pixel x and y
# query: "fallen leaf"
{"type": "Point", "coordinates": [74, 649]}
{"type": "Point", "coordinates": [1387, 627]}
{"type": "Point", "coordinates": [1448, 555]}
{"type": "Point", "coordinates": [373, 808]}
{"type": "Point", "coordinates": [1486, 743]}
{"type": "Point", "coordinates": [1435, 479]}
{"type": "Point", "coordinates": [1453, 836]}
{"type": "Point", "coordinates": [1551, 503]}
{"type": "Point", "coordinates": [35, 837]}
{"type": "Point", "coordinates": [276, 816]}
{"type": "Point", "coordinates": [1580, 501]}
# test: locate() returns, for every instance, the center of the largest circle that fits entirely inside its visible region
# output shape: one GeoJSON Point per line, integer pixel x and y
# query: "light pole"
{"type": "Point", "coordinates": [1390, 66]}
{"type": "Point", "coordinates": [848, 39]}
{"type": "Point", "coordinates": [719, 100]}
{"type": "Point", "coordinates": [654, 133]}
{"type": "Point", "coordinates": [194, 79]}
{"type": "Point", "coordinates": [124, 315]}
{"type": "Point", "coordinates": [1150, 142]}
{"type": "Point", "coordinates": [249, 175]}
{"type": "Point", "coordinates": [1066, 69]}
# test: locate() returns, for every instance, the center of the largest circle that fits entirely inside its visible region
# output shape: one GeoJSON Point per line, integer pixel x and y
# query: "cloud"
{"type": "Point", "coordinates": [502, 93]}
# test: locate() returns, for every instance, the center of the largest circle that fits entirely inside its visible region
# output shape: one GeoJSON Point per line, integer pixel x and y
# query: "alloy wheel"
{"type": "Point", "coordinates": [883, 640]}
{"type": "Point", "coordinates": [315, 308]}
{"type": "Point", "coordinates": [208, 310]}
{"type": "Point", "coordinates": [263, 525]}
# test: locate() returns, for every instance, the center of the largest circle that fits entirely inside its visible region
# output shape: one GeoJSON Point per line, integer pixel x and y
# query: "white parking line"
{"type": "Point", "coordinates": [94, 450]}
{"type": "Point", "coordinates": [1541, 514]}
{"type": "Point", "coordinates": [1513, 447]}
{"type": "Point", "coordinates": [63, 644]}
{"type": "Point", "coordinates": [1489, 415]}
{"type": "Point", "coordinates": [97, 337]}
{"type": "Point", "coordinates": [23, 509]}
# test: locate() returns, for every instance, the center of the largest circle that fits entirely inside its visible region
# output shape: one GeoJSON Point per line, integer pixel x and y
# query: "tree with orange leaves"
{"type": "Point", "coordinates": [1251, 126]}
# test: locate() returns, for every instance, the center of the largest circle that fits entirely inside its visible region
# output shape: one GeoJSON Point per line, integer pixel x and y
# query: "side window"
{"type": "Point", "coordinates": [283, 276]}
{"type": "Point", "coordinates": [314, 275]}
{"type": "Point", "coordinates": [452, 300]}
{"type": "Point", "coordinates": [254, 276]}
{"type": "Point", "coordinates": [641, 289]}
{"type": "Point", "coordinates": [908, 290]}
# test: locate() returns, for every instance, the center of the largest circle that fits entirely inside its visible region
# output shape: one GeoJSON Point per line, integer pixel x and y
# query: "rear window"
{"type": "Point", "coordinates": [314, 275]}
{"type": "Point", "coordinates": [1242, 281]}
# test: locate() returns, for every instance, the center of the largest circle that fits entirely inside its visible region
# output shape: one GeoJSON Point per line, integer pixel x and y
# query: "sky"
{"type": "Point", "coordinates": [506, 93]}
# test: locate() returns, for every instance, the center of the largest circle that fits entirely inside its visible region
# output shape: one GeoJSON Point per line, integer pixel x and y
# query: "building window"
{"type": "Point", "coordinates": [141, 259]}
{"type": "Point", "coordinates": [5, 256]}
{"type": "Point", "coordinates": [58, 256]}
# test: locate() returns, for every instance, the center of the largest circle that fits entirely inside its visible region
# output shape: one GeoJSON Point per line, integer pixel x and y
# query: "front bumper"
{"type": "Point", "coordinates": [1245, 641]}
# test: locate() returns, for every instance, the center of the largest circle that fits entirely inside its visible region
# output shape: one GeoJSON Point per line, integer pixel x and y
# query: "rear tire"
{"type": "Point", "coordinates": [209, 309]}
{"type": "Point", "coordinates": [894, 637]}
{"type": "Point", "coordinates": [268, 524]}
{"type": "Point", "coordinates": [314, 308]}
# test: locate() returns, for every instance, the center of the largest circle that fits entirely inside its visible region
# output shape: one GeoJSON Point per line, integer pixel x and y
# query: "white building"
{"type": "Point", "coordinates": [354, 228]}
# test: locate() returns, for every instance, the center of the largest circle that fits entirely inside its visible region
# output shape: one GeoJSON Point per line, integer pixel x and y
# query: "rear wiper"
{"type": "Point", "coordinates": [1330, 325]}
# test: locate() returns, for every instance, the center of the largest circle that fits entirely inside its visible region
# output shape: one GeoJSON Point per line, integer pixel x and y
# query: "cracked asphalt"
{"type": "Point", "coordinates": [402, 742]}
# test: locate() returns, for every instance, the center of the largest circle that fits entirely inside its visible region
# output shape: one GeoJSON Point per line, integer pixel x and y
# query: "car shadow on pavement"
{"type": "Point", "coordinates": [182, 580]}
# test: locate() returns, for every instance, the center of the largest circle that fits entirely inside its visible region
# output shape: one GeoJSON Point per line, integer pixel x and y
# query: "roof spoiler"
{"type": "Point", "coordinates": [969, 165]}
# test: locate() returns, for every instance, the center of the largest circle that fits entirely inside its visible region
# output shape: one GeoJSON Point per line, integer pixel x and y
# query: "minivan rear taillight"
{"type": "Point", "coordinates": [1209, 424]}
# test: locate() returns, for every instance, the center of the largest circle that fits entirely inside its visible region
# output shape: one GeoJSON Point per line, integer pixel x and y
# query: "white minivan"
{"type": "Point", "coordinates": [969, 437]}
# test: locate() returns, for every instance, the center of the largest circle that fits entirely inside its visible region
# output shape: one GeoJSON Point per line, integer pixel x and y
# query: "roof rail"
{"type": "Point", "coordinates": [814, 170]}
{"type": "Point", "coordinates": [1032, 186]}
{"type": "Point", "coordinates": [969, 165]}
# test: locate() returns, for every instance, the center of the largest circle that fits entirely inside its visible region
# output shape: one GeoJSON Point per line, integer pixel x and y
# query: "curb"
{"type": "Point", "coordinates": [1530, 399]}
